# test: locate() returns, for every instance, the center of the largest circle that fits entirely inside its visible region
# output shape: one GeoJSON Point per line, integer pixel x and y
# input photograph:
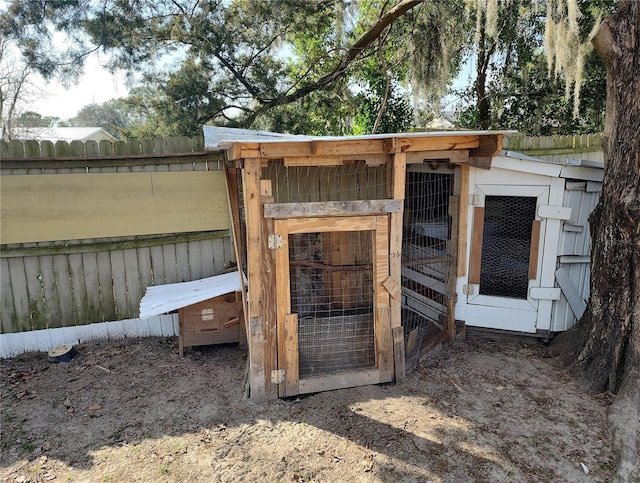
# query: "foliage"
{"type": "Point", "coordinates": [34, 119]}
{"type": "Point", "coordinates": [527, 100]}
{"type": "Point", "coordinates": [321, 67]}
{"type": "Point", "coordinates": [209, 62]}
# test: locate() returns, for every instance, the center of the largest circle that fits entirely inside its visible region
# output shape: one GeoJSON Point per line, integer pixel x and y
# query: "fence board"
{"type": "Point", "coordinates": [219, 257]}
{"type": "Point", "coordinates": [92, 286]}
{"type": "Point", "coordinates": [78, 288]}
{"type": "Point", "coordinates": [157, 265]}
{"type": "Point", "coordinates": [7, 309]}
{"type": "Point", "coordinates": [206, 257]}
{"type": "Point", "coordinates": [182, 262]}
{"type": "Point", "coordinates": [133, 281]}
{"type": "Point", "coordinates": [144, 269]}
{"type": "Point", "coordinates": [107, 298]}
{"type": "Point", "coordinates": [170, 270]}
{"type": "Point", "coordinates": [50, 290]}
{"type": "Point", "coordinates": [65, 293]}
{"type": "Point", "coordinates": [195, 267]}
{"type": "Point", "coordinates": [119, 285]}
{"type": "Point", "coordinates": [18, 279]}
{"type": "Point", "coordinates": [34, 293]}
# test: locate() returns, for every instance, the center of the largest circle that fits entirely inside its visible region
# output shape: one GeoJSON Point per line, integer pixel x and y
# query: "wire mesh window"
{"type": "Point", "coordinates": [506, 244]}
{"type": "Point", "coordinates": [351, 181]}
{"type": "Point", "coordinates": [332, 293]}
{"type": "Point", "coordinates": [425, 250]}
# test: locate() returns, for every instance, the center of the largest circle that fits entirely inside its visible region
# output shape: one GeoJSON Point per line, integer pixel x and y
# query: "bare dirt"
{"type": "Point", "coordinates": [133, 410]}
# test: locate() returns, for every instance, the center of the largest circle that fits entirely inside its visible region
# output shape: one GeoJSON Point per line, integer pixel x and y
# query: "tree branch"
{"type": "Point", "coordinates": [352, 54]}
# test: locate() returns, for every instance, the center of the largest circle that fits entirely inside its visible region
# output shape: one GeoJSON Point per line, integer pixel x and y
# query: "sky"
{"type": "Point", "coordinates": [96, 85]}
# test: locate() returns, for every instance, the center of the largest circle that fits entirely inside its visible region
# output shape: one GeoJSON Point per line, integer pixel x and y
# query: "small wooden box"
{"type": "Point", "coordinates": [213, 321]}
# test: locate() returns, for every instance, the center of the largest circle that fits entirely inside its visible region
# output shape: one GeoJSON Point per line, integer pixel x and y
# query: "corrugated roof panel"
{"type": "Point", "coordinates": [161, 299]}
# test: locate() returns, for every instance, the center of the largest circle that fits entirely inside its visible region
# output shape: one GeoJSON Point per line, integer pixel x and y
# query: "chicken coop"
{"type": "Point", "coordinates": [349, 246]}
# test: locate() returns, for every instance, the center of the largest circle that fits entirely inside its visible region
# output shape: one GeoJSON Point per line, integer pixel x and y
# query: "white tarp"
{"type": "Point", "coordinates": [161, 299]}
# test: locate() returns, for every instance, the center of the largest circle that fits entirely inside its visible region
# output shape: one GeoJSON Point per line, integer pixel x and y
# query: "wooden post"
{"type": "Point", "coordinates": [268, 281]}
{"type": "Point", "coordinates": [231, 179]}
{"type": "Point", "coordinates": [463, 220]}
{"type": "Point", "coordinates": [395, 259]}
{"type": "Point", "coordinates": [454, 208]}
{"type": "Point", "coordinates": [251, 184]}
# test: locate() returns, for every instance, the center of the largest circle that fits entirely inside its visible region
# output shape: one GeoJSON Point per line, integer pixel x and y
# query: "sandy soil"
{"type": "Point", "coordinates": [133, 410]}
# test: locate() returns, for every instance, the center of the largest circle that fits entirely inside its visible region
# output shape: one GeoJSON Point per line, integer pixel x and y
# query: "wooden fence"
{"type": "Point", "coordinates": [82, 249]}
{"type": "Point", "coordinates": [557, 148]}
{"type": "Point", "coordinates": [81, 245]}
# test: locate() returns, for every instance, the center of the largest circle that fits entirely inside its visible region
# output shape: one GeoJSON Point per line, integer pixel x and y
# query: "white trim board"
{"type": "Point", "coordinates": [44, 340]}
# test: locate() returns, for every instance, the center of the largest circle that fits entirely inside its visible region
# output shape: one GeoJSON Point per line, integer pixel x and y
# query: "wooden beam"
{"type": "Point", "coordinates": [331, 208]}
{"type": "Point", "coordinates": [463, 221]}
{"type": "Point", "coordinates": [283, 296]}
{"type": "Point", "coordinates": [399, 354]}
{"type": "Point", "coordinates": [231, 178]}
{"type": "Point", "coordinates": [336, 160]}
{"type": "Point", "coordinates": [323, 225]}
{"type": "Point", "coordinates": [343, 146]}
{"type": "Point", "coordinates": [251, 190]}
{"type": "Point", "coordinates": [395, 255]}
{"type": "Point", "coordinates": [476, 245]}
{"type": "Point", "coordinates": [440, 143]}
{"type": "Point", "coordinates": [456, 156]}
{"type": "Point", "coordinates": [383, 325]}
{"type": "Point", "coordinates": [269, 294]}
{"type": "Point", "coordinates": [488, 148]}
{"type": "Point", "coordinates": [533, 251]}
{"type": "Point", "coordinates": [291, 366]}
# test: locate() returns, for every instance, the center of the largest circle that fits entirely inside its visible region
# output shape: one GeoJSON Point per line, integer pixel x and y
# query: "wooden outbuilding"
{"type": "Point", "coordinates": [345, 241]}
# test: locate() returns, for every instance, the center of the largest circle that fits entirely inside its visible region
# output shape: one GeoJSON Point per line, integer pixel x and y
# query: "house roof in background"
{"type": "Point", "coordinates": [67, 134]}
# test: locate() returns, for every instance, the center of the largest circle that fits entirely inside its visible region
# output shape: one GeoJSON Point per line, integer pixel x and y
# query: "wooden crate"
{"type": "Point", "coordinates": [213, 321]}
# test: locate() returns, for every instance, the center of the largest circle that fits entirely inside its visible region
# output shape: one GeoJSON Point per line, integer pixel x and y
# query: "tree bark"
{"type": "Point", "coordinates": [607, 339]}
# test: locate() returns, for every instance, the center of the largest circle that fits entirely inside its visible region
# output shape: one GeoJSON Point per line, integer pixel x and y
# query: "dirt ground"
{"type": "Point", "coordinates": [133, 410]}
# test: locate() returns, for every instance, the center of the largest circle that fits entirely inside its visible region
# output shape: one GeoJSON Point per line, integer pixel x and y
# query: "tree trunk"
{"type": "Point", "coordinates": [482, 101]}
{"type": "Point", "coordinates": [607, 339]}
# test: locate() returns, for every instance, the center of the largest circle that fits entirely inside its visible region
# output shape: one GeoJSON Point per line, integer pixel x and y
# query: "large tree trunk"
{"type": "Point", "coordinates": [607, 339]}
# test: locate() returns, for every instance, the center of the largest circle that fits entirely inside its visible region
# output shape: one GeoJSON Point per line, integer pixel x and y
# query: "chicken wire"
{"type": "Point", "coordinates": [427, 231]}
{"type": "Point", "coordinates": [351, 181]}
{"type": "Point", "coordinates": [332, 292]}
{"type": "Point", "coordinates": [506, 245]}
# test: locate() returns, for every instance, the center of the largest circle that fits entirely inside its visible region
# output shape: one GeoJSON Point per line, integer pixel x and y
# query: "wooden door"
{"type": "Point", "coordinates": [333, 323]}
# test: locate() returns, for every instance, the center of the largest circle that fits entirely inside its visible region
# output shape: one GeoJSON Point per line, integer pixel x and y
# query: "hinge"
{"type": "Point", "coordinates": [277, 376]}
{"type": "Point", "coordinates": [474, 200]}
{"type": "Point", "coordinates": [275, 241]}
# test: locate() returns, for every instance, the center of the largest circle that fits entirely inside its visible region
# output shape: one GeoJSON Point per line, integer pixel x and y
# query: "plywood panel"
{"type": "Point", "coordinates": [79, 206]}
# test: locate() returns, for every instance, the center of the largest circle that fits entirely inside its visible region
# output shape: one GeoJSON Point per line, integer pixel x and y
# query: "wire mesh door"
{"type": "Point", "coordinates": [328, 298]}
{"type": "Point", "coordinates": [505, 257]}
{"type": "Point", "coordinates": [426, 257]}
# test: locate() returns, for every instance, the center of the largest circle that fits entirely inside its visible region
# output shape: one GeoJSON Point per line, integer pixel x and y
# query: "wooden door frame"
{"type": "Point", "coordinates": [287, 323]}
